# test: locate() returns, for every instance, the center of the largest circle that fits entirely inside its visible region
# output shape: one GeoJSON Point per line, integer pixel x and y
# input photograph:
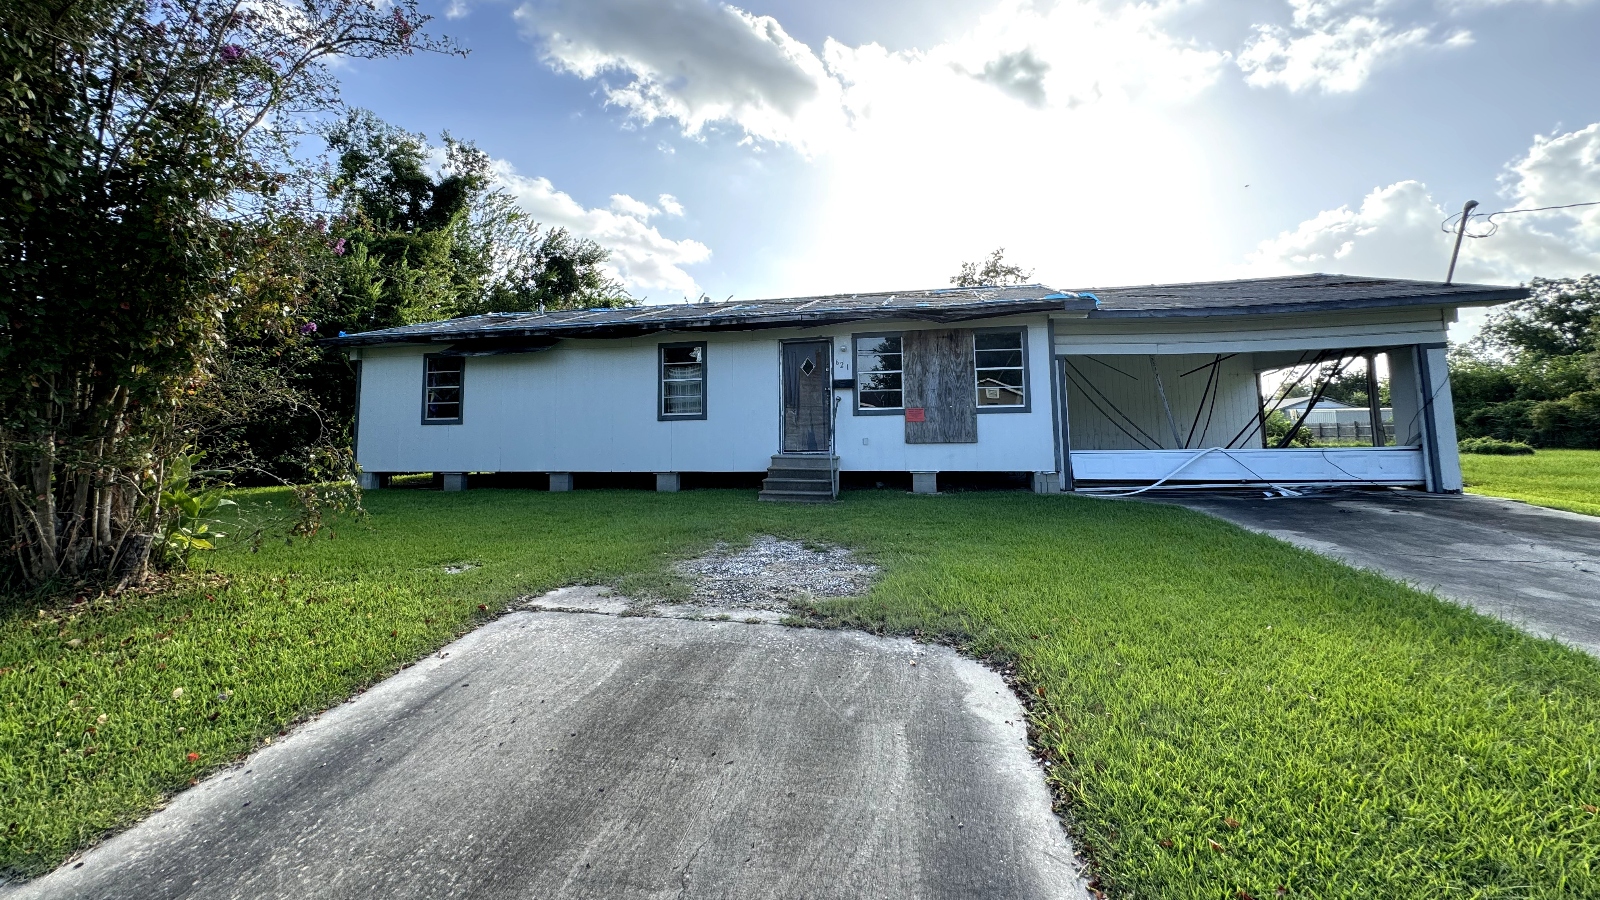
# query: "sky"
{"type": "Point", "coordinates": [772, 148]}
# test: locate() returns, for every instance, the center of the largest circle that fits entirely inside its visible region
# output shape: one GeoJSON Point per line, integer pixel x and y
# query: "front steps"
{"type": "Point", "coordinates": [802, 478]}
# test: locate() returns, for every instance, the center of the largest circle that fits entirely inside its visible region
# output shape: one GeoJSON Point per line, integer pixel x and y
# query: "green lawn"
{"type": "Point", "coordinates": [1227, 715]}
{"type": "Point", "coordinates": [1563, 479]}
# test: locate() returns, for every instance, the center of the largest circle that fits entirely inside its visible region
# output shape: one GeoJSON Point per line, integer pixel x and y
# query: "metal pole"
{"type": "Point", "coordinates": [1461, 232]}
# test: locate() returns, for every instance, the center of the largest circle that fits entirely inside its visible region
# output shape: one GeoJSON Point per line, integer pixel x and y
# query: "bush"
{"type": "Point", "coordinates": [1487, 446]}
{"type": "Point", "coordinates": [1572, 421]}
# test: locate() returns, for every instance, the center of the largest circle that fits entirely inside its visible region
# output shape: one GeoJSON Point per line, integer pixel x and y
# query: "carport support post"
{"type": "Point", "coordinates": [924, 482]}
{"type": "Point", "coordinates": [1374, 401]}
{"type": "Point", "coordinates": [667, 482]}
{"type": "Point", "coordinates": [560, 481]}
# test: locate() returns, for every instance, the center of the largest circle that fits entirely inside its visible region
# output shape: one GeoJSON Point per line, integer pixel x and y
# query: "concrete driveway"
{"type": "Point", "coordinates": [569, 755]}
{"type": "Point", "coordinates": [1534, 567]}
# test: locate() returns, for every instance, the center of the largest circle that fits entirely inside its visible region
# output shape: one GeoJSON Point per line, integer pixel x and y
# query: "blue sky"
{"type": "Point", "coordinates": [844, 146]}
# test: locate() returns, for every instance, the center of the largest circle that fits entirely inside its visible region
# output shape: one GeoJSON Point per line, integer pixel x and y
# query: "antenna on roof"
{"type": "Point", "coordinates": [1461, 231]}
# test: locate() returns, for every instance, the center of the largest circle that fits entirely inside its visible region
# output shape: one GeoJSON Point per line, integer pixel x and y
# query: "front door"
{"type": "Point", "coordinates": [807, 396]}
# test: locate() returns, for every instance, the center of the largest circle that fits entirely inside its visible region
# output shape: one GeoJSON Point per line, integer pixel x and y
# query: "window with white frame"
{"type": "Point", "coordinates": [441, 389]}
{"type": "Point", "coordinates": [683, 381]}
{"type": "Point", "coordinates": [999, 369]}
{"type": "Point", "coordinates": [879, 372]}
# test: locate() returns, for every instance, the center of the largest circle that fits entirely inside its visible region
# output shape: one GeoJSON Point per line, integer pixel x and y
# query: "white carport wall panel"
{"type": "Point", "coordinates": [1300, 465]}
{"type": "Point", "coordinates": [1095, 384]}
{"type": "Point", "coordinates": [1252, 334]}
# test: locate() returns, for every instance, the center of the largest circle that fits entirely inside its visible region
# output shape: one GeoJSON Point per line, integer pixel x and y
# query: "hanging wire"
{"type": "Point", "coordinates": [1449, 225]}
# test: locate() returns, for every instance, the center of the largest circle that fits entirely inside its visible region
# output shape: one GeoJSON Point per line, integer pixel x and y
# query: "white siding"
{"type": "Point", "coordinates": [1096, 384]}
{"type": "Point", "coordinates": [590, 406]}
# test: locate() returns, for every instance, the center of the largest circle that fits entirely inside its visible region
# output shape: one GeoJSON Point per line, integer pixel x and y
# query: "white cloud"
{"type": "Point", "coordinates": [1396, 231]}
{"type": "Point", "coordinates": [669, 205]}
{"type": "Point", "coordinates": [628, 206]}
{"type": "Point", "coordinates": [641, 255]}
{"type": "Point", "coordinates": [691, 60]}
{"type": "Point", "coordinates": [1334, 45]}
{"type": "Point", "coordinates": [704, 63]}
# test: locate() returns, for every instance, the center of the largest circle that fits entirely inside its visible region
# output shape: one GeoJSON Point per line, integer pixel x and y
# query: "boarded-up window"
{"type": "Point", "coordinates": [938, 381]}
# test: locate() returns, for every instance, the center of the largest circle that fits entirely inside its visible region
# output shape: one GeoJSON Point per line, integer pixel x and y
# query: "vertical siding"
{"type": "Point", "coordinates": [1097, 387]}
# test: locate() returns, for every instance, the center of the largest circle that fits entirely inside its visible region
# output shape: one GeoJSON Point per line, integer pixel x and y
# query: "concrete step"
{"type": "Point", "coordinates": [797, 461]}
{"type": "Point", "coordinates": [801, 474]}
{"type": "Point", "coordinates": [797, 496]}
{"type": "Point", "coordinates": [781, 483]}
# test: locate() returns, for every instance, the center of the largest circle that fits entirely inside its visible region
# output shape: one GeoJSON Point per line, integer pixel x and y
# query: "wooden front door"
{"type": "Point", "coordinates": [807, 396]}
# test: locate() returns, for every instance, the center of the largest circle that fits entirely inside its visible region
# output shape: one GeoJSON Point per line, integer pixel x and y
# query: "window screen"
{"type": "Point", "coordinates": [878, 372]}
{"type": "Point", "coordinates": [441, 394]}
{"type": "Point", "coordinates": [998, 362]}
{"type": "Point", "coordinates": [683, 381]}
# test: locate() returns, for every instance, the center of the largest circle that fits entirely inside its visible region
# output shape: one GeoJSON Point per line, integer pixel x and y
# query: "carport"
{"type": "Point", "coordinates": [1175, 388]}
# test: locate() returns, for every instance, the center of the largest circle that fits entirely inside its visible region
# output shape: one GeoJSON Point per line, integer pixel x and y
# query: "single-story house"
{"type": "Point", "coordinates": [1111, 390]}
{"type": "Point", "coordinates": [1331, 412]}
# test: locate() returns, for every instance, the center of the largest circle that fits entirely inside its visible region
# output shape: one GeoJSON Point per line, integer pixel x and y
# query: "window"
{"type": "Point", "coordinates": [878, 373]}
{"type": "Point", "coordinates": [1000, 370]}
{"type": "Point", "coordinates": [441, 390]}
{"type": "Point", "coordinates": [683, 381]}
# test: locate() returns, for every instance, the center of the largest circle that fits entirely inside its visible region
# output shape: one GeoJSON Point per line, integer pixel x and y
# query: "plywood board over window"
{"type": "Point", "coordinates": [938, 381]}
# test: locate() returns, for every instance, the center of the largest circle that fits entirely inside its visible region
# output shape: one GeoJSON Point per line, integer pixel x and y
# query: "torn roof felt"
{"type": "Point", "coordinates": [1258, 296]}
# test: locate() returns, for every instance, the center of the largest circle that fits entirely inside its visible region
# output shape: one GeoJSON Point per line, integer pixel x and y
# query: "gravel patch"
{"type": "Point", "coordinates": [771, 574]}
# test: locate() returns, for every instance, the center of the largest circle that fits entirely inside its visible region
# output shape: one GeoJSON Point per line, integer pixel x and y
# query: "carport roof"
{"type": "Point", "coordinates": [1256, 296]}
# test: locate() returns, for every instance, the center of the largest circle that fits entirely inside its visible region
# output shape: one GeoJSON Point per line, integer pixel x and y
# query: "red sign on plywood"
{"type": "Point", "coordinates": [916, 414]}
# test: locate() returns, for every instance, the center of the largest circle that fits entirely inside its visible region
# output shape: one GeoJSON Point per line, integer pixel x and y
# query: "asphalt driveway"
{"type": "Point", "coordinates": [570, 755]}
{"type": "Point", "coordinates": [1537, 568]}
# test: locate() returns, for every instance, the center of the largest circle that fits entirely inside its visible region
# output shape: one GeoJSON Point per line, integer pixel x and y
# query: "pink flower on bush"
{"type": "Point", "coordinates": [308, 328]}
{"type": "Point", "coordinates": [338, 247]}
{"type": "Point", "coordinates": [232, 53]}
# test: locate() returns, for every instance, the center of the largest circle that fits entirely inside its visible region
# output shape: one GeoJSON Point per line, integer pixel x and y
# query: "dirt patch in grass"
{"type": "Point", "coordinates": [773, 574]}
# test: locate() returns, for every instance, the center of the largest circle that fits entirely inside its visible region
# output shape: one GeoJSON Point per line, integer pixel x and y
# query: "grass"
{"type": "Point", "coordinates": [1226, 715]}
{"type": "Point", "coordinates": [1562, 479]}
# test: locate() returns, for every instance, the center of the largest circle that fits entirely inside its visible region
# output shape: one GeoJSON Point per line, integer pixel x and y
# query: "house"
{"type": "Point", "coordinates": [1110, 390]}
{"type": "Point", "coordinates": [1331, 412]}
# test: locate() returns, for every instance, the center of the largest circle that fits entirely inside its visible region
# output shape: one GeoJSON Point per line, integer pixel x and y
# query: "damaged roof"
{"type": "Point", "coordinates": [1256, 296]}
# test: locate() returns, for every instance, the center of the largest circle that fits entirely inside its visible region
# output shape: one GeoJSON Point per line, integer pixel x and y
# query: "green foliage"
{"type": "Point", "coordinates": [1278, 425]}
{"type": "Point", "coordinates": [147, 148]}
{"type": "Point", "coordinates": [1533, 375]}
{"type": "Point", "coordinates": [1369, 739]}
{"type": "Point", "coordinates": [193, 505]}
{"type": "Point", "coordinates": [1494, 447]}
{"type": "Point", "coordinates": [992, 272]}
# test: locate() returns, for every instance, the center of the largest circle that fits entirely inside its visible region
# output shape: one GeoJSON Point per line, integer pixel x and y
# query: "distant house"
{"type": "Point", "coordinates": [1331, 412]}
{"type": "Point", "coordinates": [1109, 389]}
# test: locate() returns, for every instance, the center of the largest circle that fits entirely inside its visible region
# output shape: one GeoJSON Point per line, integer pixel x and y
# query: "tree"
{"type": "Point", "coordinates": [429, 245]}
{"type": "Point", "coordinates": [1533, 372]}
{"type": "Point", "coordinates": [144, 141]}
{"type": "Point", "coordinates": [415, 233]}
{"type": "Point", "coordinates": [992, 272]}
{"type": "Point", "coordinates": [1561, 318]}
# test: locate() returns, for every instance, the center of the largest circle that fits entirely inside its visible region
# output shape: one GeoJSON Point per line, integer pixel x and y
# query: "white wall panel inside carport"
{"type": "Point", "coordinates": [590, 406]}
